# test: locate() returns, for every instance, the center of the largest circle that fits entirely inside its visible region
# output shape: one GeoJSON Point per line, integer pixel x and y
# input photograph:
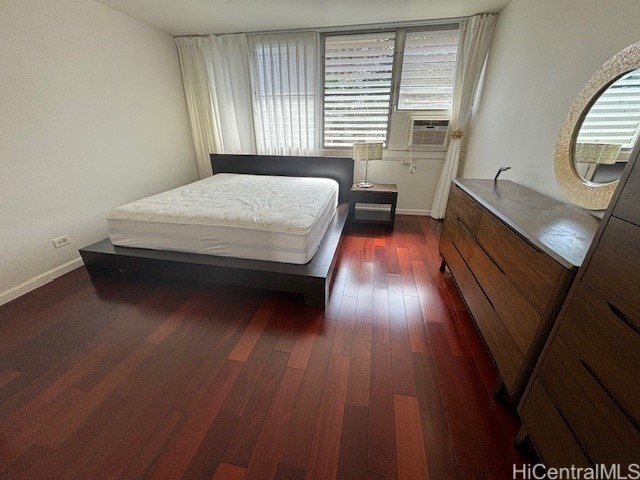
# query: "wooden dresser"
{"type": "Point", "coordinates": [582, 406]}
{"type": "Point", "coordinates": [513, 253]}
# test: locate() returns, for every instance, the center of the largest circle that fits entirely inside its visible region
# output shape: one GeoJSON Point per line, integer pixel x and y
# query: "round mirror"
{"type": "Point", "coordinates": [609, 131]}
{"type": "Point", "coordinates": [600, 131]}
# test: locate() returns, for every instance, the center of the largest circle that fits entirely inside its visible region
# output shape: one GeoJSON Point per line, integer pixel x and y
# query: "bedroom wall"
{"type": "Point", "coordinates": [542, 54]}
{"type": "Point", "coordinates": [415, 191]}
{"type": "Point", "coordinates": [93, 115]}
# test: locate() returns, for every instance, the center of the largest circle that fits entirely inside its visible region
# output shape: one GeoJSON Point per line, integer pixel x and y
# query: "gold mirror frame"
{"type": "Point", "coordinates": [593, 196]}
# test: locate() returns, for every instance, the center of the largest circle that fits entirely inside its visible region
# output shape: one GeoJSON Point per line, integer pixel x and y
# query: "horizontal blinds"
{"type": "Point", "coordinates": [357, 87]}
{"type": "Point", "coordinates": [615, 116]}
{"type": "Point", "coordinates": [428, 70]}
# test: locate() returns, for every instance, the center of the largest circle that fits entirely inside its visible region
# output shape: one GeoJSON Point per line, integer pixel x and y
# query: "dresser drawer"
{"type": "Point", "coordinates": [534, 273]}
{"type": "Point", "coordinates": [580, 395]}
{"type": "Point", "coordinates": [459, 235]}
{"type": "Point", "coordinates": [505, 318]}
{"type": "Point", "coordinates": [465, 208]}
{"type": "Point", "coordinates": [627, 206]}
{"type": "Point", "coordinates": [543, 421]}
{"type": "Point", "coordinates": [505, 352]}
{"type": "Point", "coordinates": [614, 270]}
{"type": "Point", "coordinates": [518, 316]}
{"type": "Point", "coordinates": [607, 346]}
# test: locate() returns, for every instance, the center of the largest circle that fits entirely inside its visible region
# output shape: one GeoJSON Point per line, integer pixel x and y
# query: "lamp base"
{"type": "Point", "coordinates": [365, 185]}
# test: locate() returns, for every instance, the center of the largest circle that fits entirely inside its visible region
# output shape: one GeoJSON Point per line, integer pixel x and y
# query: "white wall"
{"type": "Point", "coordinates": [92, 115]}
{"type": "Point", "coordinates": [415, 191]}
{"type": "Point", "coordinates": [542, 54]}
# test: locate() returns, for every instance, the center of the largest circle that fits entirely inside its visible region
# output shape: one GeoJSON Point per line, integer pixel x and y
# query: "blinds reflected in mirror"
{"type": "Point", "coordinates": [615, 116]}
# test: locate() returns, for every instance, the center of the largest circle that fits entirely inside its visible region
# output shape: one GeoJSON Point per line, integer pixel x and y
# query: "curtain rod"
{"type": "Point", "coordinates": [444, 22]}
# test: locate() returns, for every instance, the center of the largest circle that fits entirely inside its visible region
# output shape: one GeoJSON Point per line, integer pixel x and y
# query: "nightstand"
{"type": "Point", "coordinates": [380, 194]}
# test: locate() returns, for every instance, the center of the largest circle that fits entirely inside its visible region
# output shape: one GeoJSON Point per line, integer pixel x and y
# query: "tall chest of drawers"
{"type": "Point", "coordinates": [513, 253]}
{"type": "Point", "coordinates": [582, 406]}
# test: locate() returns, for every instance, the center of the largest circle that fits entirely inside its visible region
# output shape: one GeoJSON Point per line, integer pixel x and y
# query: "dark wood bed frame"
{"type": "Point", "coordinates": [312, 279]}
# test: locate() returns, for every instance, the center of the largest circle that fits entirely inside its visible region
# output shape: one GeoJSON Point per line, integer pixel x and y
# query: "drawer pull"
{"type": "Point", "coordinates": [611, 396]}
{"type": "Point", "coordinates": [495, 263]}
{"type": "Point", "coordinates": [537, 248]}
{"type": "Point", "coordinates": [576, 438]}
{"type": "Point", "coordinates": [486, 296]}
{"type": "Point", "coordinates": [493, 260]}
{"type": "Point", "coordinates": [465, 228]}
{"type": "Point", "coordinates": [622, 317]}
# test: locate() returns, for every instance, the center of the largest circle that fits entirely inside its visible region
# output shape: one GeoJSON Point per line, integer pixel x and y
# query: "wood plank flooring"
{"type": "Point", "coordinates": [136, 377]}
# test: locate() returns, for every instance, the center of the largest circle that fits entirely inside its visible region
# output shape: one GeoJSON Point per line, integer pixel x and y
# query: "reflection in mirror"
{"type": "Point", "coordinates": [609, 131]}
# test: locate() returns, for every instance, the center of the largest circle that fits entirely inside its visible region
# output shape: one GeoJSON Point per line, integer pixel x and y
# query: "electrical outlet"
{"type": "Point", "coordinates": [61, 241]}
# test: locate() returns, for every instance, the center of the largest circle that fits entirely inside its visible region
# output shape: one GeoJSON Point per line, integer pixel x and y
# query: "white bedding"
{"type": "Point", "coordinates": [281, 219]}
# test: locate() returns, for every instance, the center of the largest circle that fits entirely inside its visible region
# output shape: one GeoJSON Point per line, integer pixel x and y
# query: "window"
{"type": "Point", "coordinates": [428, 70]}
{"type": "Point", "coordinates": [361, 69]}
{"type": "Point", "coordinates": [357, 88]}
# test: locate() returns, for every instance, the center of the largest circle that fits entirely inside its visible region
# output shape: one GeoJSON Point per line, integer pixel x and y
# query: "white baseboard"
{"type": "Point", "coordinates": [39, 280]}
{"type": "Point", "coordinates": [412, 211]}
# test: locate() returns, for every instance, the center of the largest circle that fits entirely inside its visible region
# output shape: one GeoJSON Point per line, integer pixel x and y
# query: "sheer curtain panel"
{"type": "Point", "coordinates": [285, 78]}
{"type": "Point", "coordinates": [226, 58]}
{"type": "Point", "coordinates": [197, 92]}
{"type": "Point", "coordinates": [217, 88]}
{"type": "Point", "coordinates": [473, 47]}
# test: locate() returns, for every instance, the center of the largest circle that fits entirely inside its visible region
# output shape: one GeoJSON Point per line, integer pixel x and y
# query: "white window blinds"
{"type": "Point", "coordinates": [428, 70]}
{"type": "Point", "coordinates": [357, 87]}
{"type": "Point", "coordinates": [615, 116]}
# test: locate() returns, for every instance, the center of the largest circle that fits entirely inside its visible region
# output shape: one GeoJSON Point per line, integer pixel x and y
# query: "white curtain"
{"type": "Point", "coordinates": [285, 78]}
{"type": "Point", "coordinates": [197, 92]}
{"type": "Point", "coordinates": [217, 86]}
{"type": "Point", "coordinates": [226, 58]}
{"type": "Point", "coordinates": [473, 47]}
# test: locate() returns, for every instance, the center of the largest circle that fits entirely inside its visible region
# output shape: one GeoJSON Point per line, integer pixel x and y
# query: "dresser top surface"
{"type": "Point", "coordinates": [561, 231]}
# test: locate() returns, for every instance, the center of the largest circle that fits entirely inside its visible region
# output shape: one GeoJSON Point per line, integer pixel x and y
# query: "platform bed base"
{"type": "Point", "coordinates": [312, 279]}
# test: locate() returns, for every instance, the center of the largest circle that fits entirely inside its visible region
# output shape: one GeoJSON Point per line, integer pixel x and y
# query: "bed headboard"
{"type": "Point", "coordinates": [339, 169]}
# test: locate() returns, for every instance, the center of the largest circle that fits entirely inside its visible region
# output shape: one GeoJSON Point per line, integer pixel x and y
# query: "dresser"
{"type": "Point", "coordinates": [513, 254]}
{"type": "Point", "coordinates": [582, 406]}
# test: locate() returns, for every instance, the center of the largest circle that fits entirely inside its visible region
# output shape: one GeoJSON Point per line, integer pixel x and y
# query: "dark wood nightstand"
{"type": "Point", "coordinates": [380, 194]}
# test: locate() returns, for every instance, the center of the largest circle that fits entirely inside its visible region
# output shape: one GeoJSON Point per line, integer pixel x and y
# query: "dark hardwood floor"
{"type": "Point", "coordinates": [136, 377]}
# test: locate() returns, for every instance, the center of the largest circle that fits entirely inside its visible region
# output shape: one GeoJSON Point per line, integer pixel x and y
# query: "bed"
{"type": "Point", "coordinates": [225, 247]}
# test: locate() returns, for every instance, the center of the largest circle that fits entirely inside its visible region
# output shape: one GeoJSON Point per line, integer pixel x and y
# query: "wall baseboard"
{"type": "Point", "coordinates": [39, 280]}
{"type": "Point", "coordinates": [412, 211]}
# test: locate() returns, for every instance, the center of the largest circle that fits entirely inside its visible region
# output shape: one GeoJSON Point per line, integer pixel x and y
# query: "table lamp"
{"type": "Point", "coordinates": [365, 152]}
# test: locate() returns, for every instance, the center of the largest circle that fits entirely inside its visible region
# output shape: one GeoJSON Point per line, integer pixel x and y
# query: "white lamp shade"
{"type": "Point", "coordinates": [365, 152]}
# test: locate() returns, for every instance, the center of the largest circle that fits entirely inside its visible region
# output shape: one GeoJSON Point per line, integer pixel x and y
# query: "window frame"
{"type": "Point", "coordinates": [396, 72]}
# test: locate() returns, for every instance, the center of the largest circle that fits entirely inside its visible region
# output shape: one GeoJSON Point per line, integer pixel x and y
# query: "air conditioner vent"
{"type": "Point", "coordinates": [428, 132]}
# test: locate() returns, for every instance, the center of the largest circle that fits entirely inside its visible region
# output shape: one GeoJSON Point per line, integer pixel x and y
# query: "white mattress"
{"type": "Point", "coordinates": [280, 219]}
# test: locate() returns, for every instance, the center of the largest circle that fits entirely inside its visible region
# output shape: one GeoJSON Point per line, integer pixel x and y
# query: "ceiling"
{"type": "Point", "coordinates": [185, 17]}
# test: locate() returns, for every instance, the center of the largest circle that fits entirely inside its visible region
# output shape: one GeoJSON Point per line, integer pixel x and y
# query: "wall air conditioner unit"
{"type": "Point", "coordinates": [428, 132]}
